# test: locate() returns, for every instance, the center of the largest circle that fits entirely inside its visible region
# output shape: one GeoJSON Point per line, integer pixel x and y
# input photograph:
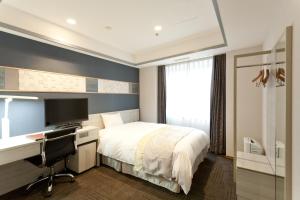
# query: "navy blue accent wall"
{"type": "Point", "coordinates": [20, 52]}
{"type": "Point", "coordinates": [27, 116]}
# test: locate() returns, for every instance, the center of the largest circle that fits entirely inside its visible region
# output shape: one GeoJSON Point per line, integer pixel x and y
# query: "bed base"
{"type": "Point", "coordinates": [126, 168]}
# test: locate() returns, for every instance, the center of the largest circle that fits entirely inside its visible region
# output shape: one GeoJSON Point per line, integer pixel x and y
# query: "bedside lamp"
{"type": "Point", "coordinates": [5, 119]}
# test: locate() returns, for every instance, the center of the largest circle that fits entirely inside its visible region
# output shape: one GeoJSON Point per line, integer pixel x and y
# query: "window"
{"type": "Point", "coordinates": [188, 87]}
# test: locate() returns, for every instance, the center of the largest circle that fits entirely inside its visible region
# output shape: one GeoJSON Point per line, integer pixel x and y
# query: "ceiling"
{"type": "Point", "coordinates": [246, 24]}
{"type": "Point", "coordinates": [188, 26]}
{"type": "Point", "coordinates": [131, 21]}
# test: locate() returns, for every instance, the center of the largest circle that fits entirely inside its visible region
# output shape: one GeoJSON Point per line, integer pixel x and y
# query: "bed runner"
{"type": "Point", "coordinates": [155, 151]}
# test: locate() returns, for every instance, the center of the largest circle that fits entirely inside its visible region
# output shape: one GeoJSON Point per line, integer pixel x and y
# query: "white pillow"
{"type": "Point", "coordinates": [112, 119]}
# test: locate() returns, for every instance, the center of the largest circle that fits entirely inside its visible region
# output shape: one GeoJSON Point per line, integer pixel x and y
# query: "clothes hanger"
{"type": "Point", "coordinates": [259, 77]}
{"type": "Point", "coordinates": [265, 79]}
{"type": "Point", "coordinates": [262, 77]}
{"type": "Point", "coordinates": [280, 75]}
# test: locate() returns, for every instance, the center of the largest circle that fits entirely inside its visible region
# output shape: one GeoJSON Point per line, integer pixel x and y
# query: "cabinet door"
{"type": "Point", "coordinates": [86, 156]}
{"type": "Point", "coordinates": [84, 159]}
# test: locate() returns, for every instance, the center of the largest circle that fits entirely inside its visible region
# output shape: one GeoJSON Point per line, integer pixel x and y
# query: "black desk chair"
{"type": "Point", "coordinates": [56, 146]}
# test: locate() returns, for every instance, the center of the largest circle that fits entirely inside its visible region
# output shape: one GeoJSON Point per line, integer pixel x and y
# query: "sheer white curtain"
{"type": "Point", "coordinates": [188, 87]}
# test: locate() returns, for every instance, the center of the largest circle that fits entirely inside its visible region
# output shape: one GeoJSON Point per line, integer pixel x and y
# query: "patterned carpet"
{"type": "Point", "coordinates": [212, 181]}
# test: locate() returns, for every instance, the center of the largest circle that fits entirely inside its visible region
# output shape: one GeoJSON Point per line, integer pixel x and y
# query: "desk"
{"type": "Point", "coordinates": [21, 147]}
{"type": "Point", "coordinates": [15, 172]}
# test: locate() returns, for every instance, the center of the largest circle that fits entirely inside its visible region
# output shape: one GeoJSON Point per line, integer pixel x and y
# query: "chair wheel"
{"type": "Point", "coordinates": [47, 193]}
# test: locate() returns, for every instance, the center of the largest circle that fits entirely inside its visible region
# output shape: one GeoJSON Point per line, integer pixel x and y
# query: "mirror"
{"type": "Point", "coordinates": [282, 69]}
{"type": "Point", "coordinates": [263, 122]}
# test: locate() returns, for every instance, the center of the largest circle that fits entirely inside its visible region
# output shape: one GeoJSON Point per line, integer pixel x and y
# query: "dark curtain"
{"type": "Point", "coordinates": [218, 106]}
{"type": "Point", "coordinates": [161, 101]}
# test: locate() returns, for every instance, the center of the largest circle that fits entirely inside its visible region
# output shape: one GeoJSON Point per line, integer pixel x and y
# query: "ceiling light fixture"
{"type": "Point", "coordinates": [109, 28]}
{"type": "Point", "coordinates": [71, 21]}
{"type": "Point", "coordinates": [157, 28]}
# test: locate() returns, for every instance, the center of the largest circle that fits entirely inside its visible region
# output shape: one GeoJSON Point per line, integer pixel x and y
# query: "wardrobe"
{"type": "Point", "coordinates": [263, 143]}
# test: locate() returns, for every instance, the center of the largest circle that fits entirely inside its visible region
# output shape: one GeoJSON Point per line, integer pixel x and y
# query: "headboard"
{"type": "Point", "coordinates": [127, 116]}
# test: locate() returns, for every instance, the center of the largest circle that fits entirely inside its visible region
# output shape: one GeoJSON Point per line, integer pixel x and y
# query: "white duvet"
{"type": "Point", "coordinates": [121, 143]}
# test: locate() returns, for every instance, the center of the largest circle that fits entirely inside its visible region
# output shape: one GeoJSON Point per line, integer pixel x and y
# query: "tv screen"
{"type": "Point", "coordinates": [62, 111]}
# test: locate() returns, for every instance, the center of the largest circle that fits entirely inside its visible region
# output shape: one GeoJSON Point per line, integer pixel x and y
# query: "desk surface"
{"type": "Point", "coordinates": [16, 142]}
{"type": "Point", "coordinates": [23, 140]}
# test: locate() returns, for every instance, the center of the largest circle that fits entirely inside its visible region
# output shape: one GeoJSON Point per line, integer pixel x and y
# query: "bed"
{"type": "Point", "coordinates": [165, 155]}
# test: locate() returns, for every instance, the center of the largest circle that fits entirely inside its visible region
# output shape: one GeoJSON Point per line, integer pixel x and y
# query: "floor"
{"type": "Point", "coordinates": [212, 181]}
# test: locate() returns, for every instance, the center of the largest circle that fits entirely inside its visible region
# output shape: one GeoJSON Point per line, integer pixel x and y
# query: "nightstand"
{"type": "Point", "coordinates": [86, 155]}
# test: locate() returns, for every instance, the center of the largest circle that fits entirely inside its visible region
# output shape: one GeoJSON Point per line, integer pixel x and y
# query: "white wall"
{"type": "Point", "coordinates": [288, 14]}
{"type": "Point", "coordinates": [148, 94]}
{"type": "Point", "coordinates": [248, 107]}
{"type": "Point", "coordinates": [230, 98]}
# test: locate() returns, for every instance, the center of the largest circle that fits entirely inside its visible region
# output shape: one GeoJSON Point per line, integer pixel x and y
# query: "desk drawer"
{"type": "Point", "coordinates": [86, 136]}
{"type": "Point", "coordinates": [84, 159]}
{"type": "Point", "coordinates": [20, 153]}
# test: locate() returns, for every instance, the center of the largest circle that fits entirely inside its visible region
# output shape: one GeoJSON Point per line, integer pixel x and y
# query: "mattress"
{"type": "Point", "coordinates": [120, 143]}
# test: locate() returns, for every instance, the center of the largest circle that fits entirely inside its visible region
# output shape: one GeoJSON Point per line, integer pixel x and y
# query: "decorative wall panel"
{"type": "Point", "coordinates": [134, 88]}
{"type": "Point", "coordinates": [51, 82]}
{"type": "Point", "coordinates": [91, 85]}
{"type": "Point", "coordinates": [11, 79]}
{"type": "Point", "coordinates": [2, 78]}
{"type": "Point", "coordinates": [108, 86]}
{"type": "Point", "coordinates": [14, 79]}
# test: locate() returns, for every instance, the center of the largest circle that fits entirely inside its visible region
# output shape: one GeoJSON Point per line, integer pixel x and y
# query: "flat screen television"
{"type": "Point", "coordinates": [65, 111]}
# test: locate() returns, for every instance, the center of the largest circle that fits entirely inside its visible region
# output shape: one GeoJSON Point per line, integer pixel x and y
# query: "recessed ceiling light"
{"type": "Point", "coordinates": [109, 28]}
{"type": "Point", "coordinates": [157, 28]}
{"type": "Point", "coordinates": [71, 21]}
